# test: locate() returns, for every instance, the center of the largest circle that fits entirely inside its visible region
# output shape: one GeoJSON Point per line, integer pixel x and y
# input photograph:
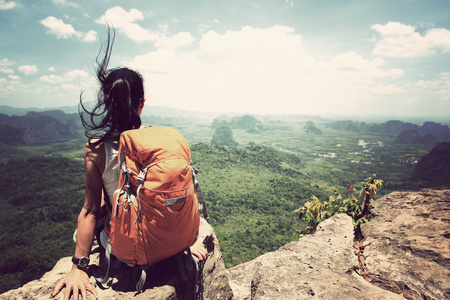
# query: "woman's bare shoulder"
{"type": "Point", "coordinates": [94, 151]}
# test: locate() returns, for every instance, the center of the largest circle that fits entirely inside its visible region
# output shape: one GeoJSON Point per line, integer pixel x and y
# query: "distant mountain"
{"type": "Point", "coordinates": [10, 135]}
{"type": "Point", "coordinates": [223, 135]}
{"type": "Point", "coordinates": [15, 111]}
{"type": "Point", "coordinates": [347, 125]}
{"type": "Point", "coordinates": [412, 137]}
{"type": "Point", "coordinates": [246, 122]}
{"type": "Point", "coordinates": [441, 132]}
{"type": "Point", "coordinates": [37, 127]}
{"type": "Point", "coordinates": [393, 127]}
{"type": "Point", "coordinates": [313, 129]}
{"type": "Point", "coordinates": [159, 111]}
{"type": "Point", "coordinates": [407, 133]}
{"type": "Point", "coordinates": [167, 112]}
{"type": "Point", "coordinates": [429, 133]}
{"type": "Point", "coordinates": [435, 166]}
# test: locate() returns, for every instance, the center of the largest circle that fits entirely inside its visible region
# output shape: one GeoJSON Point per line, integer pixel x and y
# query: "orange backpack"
{"type": "Point", "coordinates": [155, 212]}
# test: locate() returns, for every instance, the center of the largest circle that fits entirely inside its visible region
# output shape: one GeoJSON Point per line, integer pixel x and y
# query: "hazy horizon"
{"type": "Point", "coordinates": [359, 58]}
{"type": "Point", "coordinates": [419, 120]}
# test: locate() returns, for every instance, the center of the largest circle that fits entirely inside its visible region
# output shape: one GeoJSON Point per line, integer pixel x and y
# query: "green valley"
{"type": "Point", "coordinates": [251, 189]}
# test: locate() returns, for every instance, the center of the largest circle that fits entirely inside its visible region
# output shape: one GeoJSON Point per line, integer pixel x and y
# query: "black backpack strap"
{"type": "Point", "coordinates": [100, 225]}
{"type": "Point", "coordinates": [108, 251]}
{"type": "Point", "coordinates": [142, 277]}
{"type": "Point", "coordinates": [188, 268]}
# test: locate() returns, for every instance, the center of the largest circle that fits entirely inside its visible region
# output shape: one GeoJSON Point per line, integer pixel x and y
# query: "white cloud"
{"type": "Point", "coordinates": [399, 40]}
{"type": "Point", "coordinates": [430, 96]}
{"type": "Point", "coordinates": [439, 39]}
{"type": "Point", "coordinates": [5, 5]}
{"type": "Point", "coordinates": [77, 74]}
{"type": "Point", "coordinates": [5, 66]}
{"type": "Point", "coordinates": [65, 3]}
{"type": "Point", "coordinates": [394, 29]}
{"type": "Point", "coordinates": [445, 75]}
{"type": "Point", "coordinates": [70, 87]}
{"type": "Point", "coordinates": [65, 31]}
{"type": "Point", "coordinates": [51, 69]}
{"type": "Point", "coordinates": [164, 28]}
{"type": "Point", "coordinates": [290, 3]}
{"type": "Point", "coordinates": [64, 89]}
{"type": "Point", "coordinates": [353, 61]}
{"type": "Point", "coordinates": [380, 73]}
{"type": "Point", "coordinates": [91, 36]}
{"type": "Point", "coordinates": [439, 86]}
{"type": "Point", "coordinates": [59, 28]}
{"type": "Point", "coordinates": [52, 78]}
{"type": "Point", "coordinates": [13, 77]}
{"type": "Point", "coordinates": [202, 28]}
{"type": "Point", "coordinates": [28, 69]}
{"type": "Point", "coordinates": [49, 91]}
{"type": "Point", "coordinates": [395, 73]}
{"type": "Point", "coordinates": [259, 71]}
{"type": "Point", "coordinates": [125, 22]}
{"type": "Point", "coordinates": [175, 41]}
{"type": "Point", "coordinates": [67, 77]}
{"type": "Point", "coordinates": [387, 89]}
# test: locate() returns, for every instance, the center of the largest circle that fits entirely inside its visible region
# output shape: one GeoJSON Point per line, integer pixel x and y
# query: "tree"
{"type": "Point", "coordinates": [223, 135]}
{"type": "Point", "coordinates": [356, 205]}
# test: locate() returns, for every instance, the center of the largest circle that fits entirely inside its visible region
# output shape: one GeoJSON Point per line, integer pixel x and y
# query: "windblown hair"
{"type": "Point", "coordinates": [118, 99]}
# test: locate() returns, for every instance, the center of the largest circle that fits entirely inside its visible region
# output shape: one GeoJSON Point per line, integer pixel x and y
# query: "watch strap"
{"type": "Point", "coordinates": [81, 261]}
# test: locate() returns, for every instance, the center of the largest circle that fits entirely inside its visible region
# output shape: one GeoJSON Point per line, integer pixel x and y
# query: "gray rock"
{"type": "Point", "coordinates": [407, 244]}
{"type": "Point", "coordinates": [405, 253]}
{"type": "Point", "coordinates": [318, 266]}
{"type": "Point", "coordinates": [213, 280]}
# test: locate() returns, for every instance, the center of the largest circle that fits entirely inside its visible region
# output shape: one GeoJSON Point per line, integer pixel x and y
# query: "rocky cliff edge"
{"type": "Point", "coordinates": [212, 283]}
{"type": "Point", "coordinates": [403, 252]}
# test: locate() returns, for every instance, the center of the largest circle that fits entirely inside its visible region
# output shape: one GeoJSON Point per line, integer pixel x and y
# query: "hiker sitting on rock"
{"type": "Point", "coordinates": [120, 103]}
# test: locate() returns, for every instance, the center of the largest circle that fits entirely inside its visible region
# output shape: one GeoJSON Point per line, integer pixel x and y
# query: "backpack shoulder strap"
{"type": "Point", "coordinates": [200, 197]}
{"type": "Point", "coordinates": [104, 279]}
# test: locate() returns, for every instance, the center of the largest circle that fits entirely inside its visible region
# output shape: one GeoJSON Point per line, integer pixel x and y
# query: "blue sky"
{"type": "Point", "coordinates": [267, 57]}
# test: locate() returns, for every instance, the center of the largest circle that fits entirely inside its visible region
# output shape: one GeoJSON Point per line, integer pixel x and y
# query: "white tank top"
{"type": "Point", "coordinates": [110, 175]}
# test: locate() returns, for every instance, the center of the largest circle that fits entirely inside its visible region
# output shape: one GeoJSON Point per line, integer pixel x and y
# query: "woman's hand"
{"type": "Point", "coordinates": [199, 250]}
{"type": "Point", "coordinates": [76, 281]}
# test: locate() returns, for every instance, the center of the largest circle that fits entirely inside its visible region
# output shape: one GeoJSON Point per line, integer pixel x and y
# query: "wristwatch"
{"type": "Point", "coordinates": [81, 262]}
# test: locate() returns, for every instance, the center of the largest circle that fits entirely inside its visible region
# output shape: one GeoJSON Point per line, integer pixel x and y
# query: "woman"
{"type": "Point", "coordinates": [120, 103]}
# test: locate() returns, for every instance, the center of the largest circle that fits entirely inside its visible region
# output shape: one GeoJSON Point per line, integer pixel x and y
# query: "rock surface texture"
{"type": "Point", "coordinates": [407, 244]}
{"type": "Point", "coordinates": [213, 280]}
{"type": "Point", "coordinates": [318, 266]}
{"type": "Point", "coordinates": [404, 253]}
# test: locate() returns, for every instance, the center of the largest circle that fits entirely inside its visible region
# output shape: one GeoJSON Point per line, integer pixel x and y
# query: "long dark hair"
{"type": "Point", "coordinates": [118, 99]}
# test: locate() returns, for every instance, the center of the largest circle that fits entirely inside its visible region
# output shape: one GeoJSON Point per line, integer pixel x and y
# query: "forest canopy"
{"type": "Point", "coordinates": [41, 199]}
{"type": "Point", "coordinates": [251, 195]}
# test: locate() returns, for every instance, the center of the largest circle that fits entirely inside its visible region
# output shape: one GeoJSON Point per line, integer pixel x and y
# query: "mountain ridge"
{"type": "Point", "coordinates": [164, 111]}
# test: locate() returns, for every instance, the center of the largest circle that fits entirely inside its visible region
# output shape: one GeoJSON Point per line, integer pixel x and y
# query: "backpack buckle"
{"type": "Point", "coordinates": [124, 169]}
{"type": "Point", "coordinates": [141, 176]}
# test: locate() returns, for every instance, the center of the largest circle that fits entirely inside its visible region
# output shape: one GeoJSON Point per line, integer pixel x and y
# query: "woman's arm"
{"type": "Point", "coordinates": [76, 280]}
